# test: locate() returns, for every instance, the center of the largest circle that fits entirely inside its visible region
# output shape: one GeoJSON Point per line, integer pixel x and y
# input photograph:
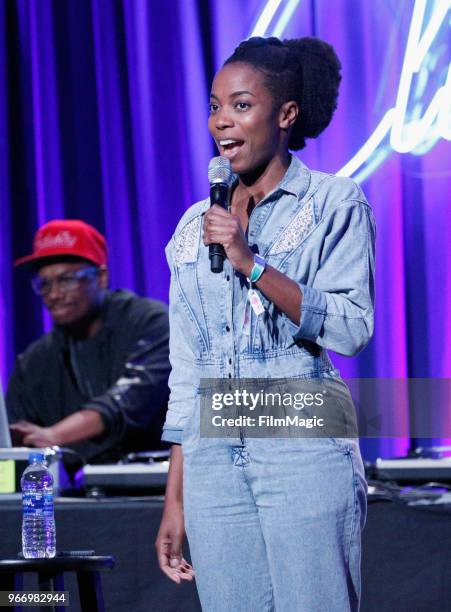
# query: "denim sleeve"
{"type": "Point", "coordinates": [182, 384]}
{"type": "Point", "coordinates": [337, 310]}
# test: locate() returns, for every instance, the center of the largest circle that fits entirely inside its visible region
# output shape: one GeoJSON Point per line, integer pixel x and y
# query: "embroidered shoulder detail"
{"type": "Point", "coordinates": [295, 232]}
{"type": "Point", "coordinates": [187, 242]}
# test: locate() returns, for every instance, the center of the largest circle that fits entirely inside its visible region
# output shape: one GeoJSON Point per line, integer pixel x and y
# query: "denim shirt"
{"type": "Point", "coordinates": [315, 228]}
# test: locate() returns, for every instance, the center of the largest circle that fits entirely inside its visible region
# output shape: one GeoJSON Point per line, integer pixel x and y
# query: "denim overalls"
{"type": "Point", "coordinates": [273, 523]}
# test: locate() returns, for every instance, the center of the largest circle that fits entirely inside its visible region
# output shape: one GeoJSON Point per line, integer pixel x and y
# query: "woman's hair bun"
{"type": "Point", "coordinates": [321, 80]}
{"type": "Point", "coordinates": [306, 70]}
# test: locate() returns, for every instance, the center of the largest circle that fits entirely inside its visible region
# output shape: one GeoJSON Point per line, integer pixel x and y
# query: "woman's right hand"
{"type": "Point", "coordinates": [169, 544]}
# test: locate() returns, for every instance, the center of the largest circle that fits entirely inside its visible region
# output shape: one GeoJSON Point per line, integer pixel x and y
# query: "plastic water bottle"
{"type": "Point", "coordinates": [38, 518]}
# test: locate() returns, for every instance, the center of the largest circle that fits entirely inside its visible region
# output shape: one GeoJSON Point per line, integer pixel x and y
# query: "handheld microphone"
{"type": "Point", "coordinates": [220, 178]}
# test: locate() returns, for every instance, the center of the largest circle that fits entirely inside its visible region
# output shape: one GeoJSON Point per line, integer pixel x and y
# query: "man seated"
{"type": "Point", "coordinates": [98, 381]}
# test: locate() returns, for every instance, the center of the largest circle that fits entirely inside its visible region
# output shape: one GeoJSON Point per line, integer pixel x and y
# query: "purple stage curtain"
{"type": "Point", "coordinates": [103, 117]}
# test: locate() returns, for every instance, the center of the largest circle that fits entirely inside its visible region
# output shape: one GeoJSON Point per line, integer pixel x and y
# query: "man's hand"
{"type": "Point", "coordinates": [29, 434]}
{"type": "Point", "coordinates": [82, 425]}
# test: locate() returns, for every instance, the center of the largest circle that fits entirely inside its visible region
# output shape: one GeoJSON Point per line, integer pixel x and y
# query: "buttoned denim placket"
{"type": "Point", "coordinates": [257, 220]}
{"type": "Point", "coordinates": [228, 329]}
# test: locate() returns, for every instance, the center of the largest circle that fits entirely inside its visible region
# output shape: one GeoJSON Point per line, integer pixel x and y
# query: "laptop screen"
{"type": "Point", "coordinates": [5, 437]}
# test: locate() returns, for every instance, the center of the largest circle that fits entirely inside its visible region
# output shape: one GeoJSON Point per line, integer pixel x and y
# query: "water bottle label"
{"type": "Point", "coordinates": [40, 503]}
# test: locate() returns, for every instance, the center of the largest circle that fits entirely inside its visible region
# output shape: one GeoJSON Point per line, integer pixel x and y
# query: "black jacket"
{"type": "Point", "coordinates": [121, 372]}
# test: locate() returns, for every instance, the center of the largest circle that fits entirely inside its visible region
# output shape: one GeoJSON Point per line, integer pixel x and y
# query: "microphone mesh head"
{"type": "Point", "coordinates": [219, 171]}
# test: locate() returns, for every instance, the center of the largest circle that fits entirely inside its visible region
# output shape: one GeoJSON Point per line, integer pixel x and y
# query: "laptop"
{"type": "Point", "coordinates": [5, 436]}
{"type": "Point", "coordinates": [7, 451]}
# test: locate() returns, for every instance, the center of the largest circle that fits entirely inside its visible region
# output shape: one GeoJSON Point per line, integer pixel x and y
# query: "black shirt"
{"type": "Point", "coordinates": [122, 372]}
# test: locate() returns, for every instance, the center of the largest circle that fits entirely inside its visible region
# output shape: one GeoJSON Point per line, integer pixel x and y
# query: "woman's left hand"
{"type": "Point", "coordinates": [223, 227]}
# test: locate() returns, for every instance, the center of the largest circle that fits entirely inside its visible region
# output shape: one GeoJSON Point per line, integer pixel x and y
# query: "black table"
{"type": "Point", "coordinates": [50, 574]}
{"type": "Point", "coordinates": [406, 564]}
{"type": "Point", "coordinates": [125, 528]}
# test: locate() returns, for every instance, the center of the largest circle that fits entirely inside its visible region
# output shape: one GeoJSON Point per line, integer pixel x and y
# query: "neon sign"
{"type": "Point", "coordinates": [405, 128]}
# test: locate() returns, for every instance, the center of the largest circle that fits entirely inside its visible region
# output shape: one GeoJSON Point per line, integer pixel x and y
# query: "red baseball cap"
{"type": "Point", "coordinates": [67, 237]}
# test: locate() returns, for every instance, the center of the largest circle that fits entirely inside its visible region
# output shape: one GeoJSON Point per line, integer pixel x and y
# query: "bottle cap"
{"type": "Point", "coordinates": [36, 457]}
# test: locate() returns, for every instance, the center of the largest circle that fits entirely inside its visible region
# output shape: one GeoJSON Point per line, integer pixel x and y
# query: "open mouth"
{"type": "Point", "coordinates": [230, 147]}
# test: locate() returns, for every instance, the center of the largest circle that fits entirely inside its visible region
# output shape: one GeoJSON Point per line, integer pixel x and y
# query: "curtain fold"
{"type": "Point", "coordinates": [103, 117]}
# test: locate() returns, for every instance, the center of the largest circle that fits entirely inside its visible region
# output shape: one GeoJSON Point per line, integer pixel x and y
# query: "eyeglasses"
{"type": "Point", "coordinates": [66, 282]}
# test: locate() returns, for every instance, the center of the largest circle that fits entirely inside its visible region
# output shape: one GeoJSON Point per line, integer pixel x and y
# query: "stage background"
{"type": "Point", "coordinates": [103, 117]}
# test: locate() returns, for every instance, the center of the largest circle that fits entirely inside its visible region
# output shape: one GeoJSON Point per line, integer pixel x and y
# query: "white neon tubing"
{"type": "Point", "coordinates": [265, 18]}
{"type": "Point", "coordinates": [405, 137]}
{"type": "Point", "coordinates": [370, 145]}
{"type": "Point", "coordinates": [285, 18]}
{"type": "Point", "coordinates": [438, 17]}
{"type": "Point", "coordinates": [417, 136]}
{"type": "Point", "coordinates": [444, 115]}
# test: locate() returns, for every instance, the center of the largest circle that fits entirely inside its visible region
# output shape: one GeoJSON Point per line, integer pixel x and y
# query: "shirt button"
{"type": "Point", "coordinates": [228, 277]}
{"type": "Point", "coordinates": [230, 361]}
{"type": "Point", "coordinates": [227, 328]}
{"type": "Point", "coordinates": [230, 376]}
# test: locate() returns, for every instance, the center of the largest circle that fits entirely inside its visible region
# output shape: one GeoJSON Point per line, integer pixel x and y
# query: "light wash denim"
{"type": "Point", "coordinates": [273, 524]}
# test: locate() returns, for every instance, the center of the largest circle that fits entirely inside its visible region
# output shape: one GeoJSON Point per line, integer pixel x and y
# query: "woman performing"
{"type": "Point", "coordinates": [273, 523]}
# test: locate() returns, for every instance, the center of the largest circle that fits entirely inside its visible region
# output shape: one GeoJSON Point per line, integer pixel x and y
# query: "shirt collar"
{"type": "Point", "coordinates": [295, 181]}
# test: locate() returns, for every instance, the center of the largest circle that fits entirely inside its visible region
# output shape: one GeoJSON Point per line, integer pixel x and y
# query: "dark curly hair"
{"type": "Point", "coordinates": [306, 70]}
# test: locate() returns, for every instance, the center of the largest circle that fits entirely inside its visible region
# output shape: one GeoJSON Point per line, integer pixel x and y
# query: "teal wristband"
{"type": "Point", "coordinates": [258, 269]}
